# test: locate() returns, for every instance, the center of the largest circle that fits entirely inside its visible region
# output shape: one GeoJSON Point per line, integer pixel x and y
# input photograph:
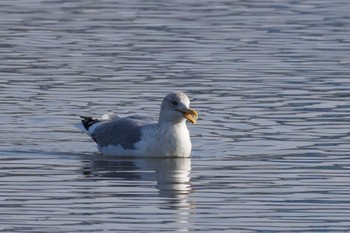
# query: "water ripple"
{"type": "Point", "coordinates": [270, 82]}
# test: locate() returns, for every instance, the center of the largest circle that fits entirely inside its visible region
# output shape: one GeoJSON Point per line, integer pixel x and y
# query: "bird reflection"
{"type": "Point", "coordinates": [172, 175]}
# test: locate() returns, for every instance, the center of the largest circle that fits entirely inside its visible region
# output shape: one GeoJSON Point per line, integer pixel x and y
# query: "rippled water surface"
{"type": "Point", "coordinates": [270, 80]}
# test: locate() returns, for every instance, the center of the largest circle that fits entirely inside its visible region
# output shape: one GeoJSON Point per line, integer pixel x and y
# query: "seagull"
{"type": "Point", "coordinates": [139, 136]}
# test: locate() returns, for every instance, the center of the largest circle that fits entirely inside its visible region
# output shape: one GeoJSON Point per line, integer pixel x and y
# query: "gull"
{"type": "Point", "coordinates": [139, 136]}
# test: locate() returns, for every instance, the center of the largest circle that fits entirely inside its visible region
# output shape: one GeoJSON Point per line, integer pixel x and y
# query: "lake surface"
{"type": "Point", "coordinates": [270, 80]}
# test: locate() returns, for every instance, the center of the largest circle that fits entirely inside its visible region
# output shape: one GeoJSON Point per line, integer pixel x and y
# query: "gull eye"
{"type": "Point", "coordinates": [175, 103]}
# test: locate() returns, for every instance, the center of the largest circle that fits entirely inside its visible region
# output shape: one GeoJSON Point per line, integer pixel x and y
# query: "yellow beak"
{"type": "Point", "coordinates": [191, 115]}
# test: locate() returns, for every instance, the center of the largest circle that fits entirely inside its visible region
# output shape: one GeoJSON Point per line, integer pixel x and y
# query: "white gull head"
{"type": "Point", "coordinates": [175, 109]}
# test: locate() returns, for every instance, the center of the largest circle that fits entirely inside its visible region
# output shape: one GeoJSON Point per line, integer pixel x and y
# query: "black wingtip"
{"type": "Point", "coordinates": [88, 121]}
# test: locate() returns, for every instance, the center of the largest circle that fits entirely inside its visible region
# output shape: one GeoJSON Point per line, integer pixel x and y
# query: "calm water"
{"type": "Point", "coordinates": [270, 80]}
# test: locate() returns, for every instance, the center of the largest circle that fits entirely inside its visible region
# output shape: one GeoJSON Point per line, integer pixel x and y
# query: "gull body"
{"type": "Point", "coordinates": [139, 136]}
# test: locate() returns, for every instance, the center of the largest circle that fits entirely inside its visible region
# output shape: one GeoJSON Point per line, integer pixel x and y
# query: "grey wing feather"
{"type": "Point", "coordinates": [124, 131]}
{"type": "Point", "coordinates": [141, 118]}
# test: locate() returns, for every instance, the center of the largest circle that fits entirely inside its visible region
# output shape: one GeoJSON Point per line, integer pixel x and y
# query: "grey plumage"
{"type": "Point", "coordinates": [124, 131]}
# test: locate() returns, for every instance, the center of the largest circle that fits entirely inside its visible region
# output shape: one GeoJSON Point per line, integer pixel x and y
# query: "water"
{"type": "Point", "coordinates": [270, 80]}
